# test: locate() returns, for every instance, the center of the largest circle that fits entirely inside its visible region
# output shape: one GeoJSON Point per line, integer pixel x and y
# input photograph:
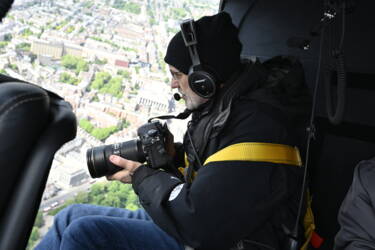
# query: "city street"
{"type": "Point", "coordinates": [65, 195]}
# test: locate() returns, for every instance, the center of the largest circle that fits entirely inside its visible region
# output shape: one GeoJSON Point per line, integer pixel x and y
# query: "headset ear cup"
{"type": "Point", "coordinates": [202, 83]}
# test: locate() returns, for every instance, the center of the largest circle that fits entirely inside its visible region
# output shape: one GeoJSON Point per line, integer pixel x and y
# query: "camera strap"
{"type": "Point", "coordinates": [180, 116]}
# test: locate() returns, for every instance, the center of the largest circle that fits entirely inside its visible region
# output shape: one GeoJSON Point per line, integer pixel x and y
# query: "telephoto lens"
{"type": "Point", "coordinates": [98, 157]}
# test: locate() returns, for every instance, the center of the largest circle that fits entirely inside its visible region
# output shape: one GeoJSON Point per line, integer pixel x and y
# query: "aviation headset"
{"type": "Point", "coordinates": [201, 82]}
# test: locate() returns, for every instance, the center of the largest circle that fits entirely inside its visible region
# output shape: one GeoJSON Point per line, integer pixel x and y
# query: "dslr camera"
{"type": "Point", "coordinates": [150, 148]}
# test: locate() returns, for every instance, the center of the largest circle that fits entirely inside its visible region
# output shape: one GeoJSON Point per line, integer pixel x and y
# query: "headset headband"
{"type": "Point", "coordinates": [190, 39]}
{"type": "Point", "coordinates": [201, 82]}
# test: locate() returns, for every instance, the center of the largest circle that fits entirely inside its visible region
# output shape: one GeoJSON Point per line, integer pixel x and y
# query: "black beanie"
{"type": "Point", "coordinates": [218, 47]}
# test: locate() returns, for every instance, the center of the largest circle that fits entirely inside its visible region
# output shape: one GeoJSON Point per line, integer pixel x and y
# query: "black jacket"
{"type": "Point", "coordinates": [357, 212]}
{"type": "Point", "coordinates": [228, 201]}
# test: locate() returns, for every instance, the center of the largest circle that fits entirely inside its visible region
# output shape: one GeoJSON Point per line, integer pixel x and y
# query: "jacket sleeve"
{"type": "Point", "coordinates": [226, 202]}
{"type": "Point", "coordinates": [357, 212]}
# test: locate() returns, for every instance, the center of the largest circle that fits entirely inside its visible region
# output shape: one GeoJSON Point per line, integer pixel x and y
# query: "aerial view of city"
{"type": "Point", "coordinates": [104, 57]}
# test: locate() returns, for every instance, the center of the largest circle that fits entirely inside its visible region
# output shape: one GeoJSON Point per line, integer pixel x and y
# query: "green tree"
{"type": "Point", "coordinates": [114, 194]}
{"type": "Point", "coordinates": [124, 73]}
{"type": "Point", "coordinates": [61, 25]}
{"type": "Point", "coordinates": [124, 124]}
{"type": "Point", "coordinates": [82, 66]}
{"type": "Point", "coordinates": [101, 78]}
{"type": "Point", "coordinates": [97, 189]}
{"type": "Point", "coordinates": [34, 234]}
{"type": "Point", "coordinates": [178, 13]}
{"type": "Point", "coordinates": [87, 4]}
{"type": "Point", "coordinates": [107, 85]}
{"type": "Point", "coordinates": [99, 133]}
{"type": "Point", "coordinates": [39, 221]}
{"type": "Point", "coordinates": [82, 198]}
{"type": "Point", "coordinates": [95, 98]}
{"type": "Point", "coordinates": [23, 46]}
{"type": "Point", "coordinates": [152, 21]}
{"type": "Point", "coordinates": [112, 200]}
{"type": "Point", "coordinates": [3, 44]}
{"type": "Point", "coordinates": [130, 49]}
{"type": "Point", "coordinates": [69, 61]}
{"type": "Point", "coordinates": [136, 86]}
{"type": "Point", "coordinates": [13, 66]}
{"type": "Point", "coordinates": [113, 87]}
{"type": "Point", "coordinates": [8, 37]}
{"type": "Point", "coordinates": [131, 7]}
{"type": "Point", "coordinates": [67, 78]}
{"type": "Point", "coordinates": [74, 63]}
{"type": "Point", "coordinates": [26, 32]}
{"type": "Point", "coordinates": [100, 62]}
{"type": "Point", "coordinates": [70, 29]}
{"type": "Point", "coordinates": [132, 202]}
{"type": "Point", "coordinates": [86, 125]}
{"type": "Point", "coordinates": [103, 133]}
{"type": "Point", "coordinates": [105, 41]}
{"type": "Point", "coordinates": [10, 16]}
{"type": "Point", "coordinates": [34, 237]}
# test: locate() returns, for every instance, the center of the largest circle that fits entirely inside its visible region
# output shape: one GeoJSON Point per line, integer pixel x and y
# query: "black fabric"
{"type": "Point", "coordinates": [218, 47]}
{"type": "Point", "coordinates": [179, 159]}
{"type": "Point", "coordinates": [230, 201]}
{"type": "Point", "coordinates": [140, 174]}
{"type": "Point", "coordinates": [162, 184]}
{"type": "Point", "coordinates": [357, 212]}
{"type": "Point", "coordinates": [285, 87]}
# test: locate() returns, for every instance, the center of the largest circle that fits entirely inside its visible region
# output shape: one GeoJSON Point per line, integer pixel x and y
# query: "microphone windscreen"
{"type": "Point", "coordinates": [177, 96]}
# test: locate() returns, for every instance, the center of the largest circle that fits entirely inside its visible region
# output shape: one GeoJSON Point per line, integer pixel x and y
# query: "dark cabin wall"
{"type": "Point", "coordinates": [264, 33]}
{"type": "Point", "coordinates": [270, 23]}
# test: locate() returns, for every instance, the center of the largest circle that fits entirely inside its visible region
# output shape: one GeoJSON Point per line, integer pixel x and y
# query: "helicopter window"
{"type": "Point", "coordinates": [106, 59]}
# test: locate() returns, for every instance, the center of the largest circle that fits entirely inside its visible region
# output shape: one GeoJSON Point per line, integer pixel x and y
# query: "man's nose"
{"type": "Point", "coordinates": [174, 84]}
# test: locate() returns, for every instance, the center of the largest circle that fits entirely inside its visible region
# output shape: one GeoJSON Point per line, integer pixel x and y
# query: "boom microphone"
{"type": "Point", "coordinates": [177, 96]}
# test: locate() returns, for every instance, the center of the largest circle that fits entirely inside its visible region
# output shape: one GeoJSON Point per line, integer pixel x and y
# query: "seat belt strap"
{"type": "Point", "coordinates": [258, 151]}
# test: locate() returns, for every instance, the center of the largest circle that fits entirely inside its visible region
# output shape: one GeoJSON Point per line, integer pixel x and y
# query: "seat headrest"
{"type": "Point", "coordinates": [24, 113]}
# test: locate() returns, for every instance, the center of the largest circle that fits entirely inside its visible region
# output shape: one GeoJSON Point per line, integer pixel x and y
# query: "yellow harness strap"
{"type": "Point", "coordinates": [255, 151]}
{"type": "Point", "coordinates": [258, 151]}
{"type": "Point", "coordinates": [308, 222]}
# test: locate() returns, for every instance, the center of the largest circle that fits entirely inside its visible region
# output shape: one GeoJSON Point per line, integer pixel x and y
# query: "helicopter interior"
{"type": "Point", "coordinates": [334, 40]}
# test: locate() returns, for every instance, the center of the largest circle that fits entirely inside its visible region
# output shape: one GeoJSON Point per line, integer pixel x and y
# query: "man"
{"type": "Point", "coordinates": [242, 178]}
{"type": "Point", "coordinates": [357, 212]}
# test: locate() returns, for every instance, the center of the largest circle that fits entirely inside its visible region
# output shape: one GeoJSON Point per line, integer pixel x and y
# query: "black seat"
{"type": "Point", "coordinates": [34, 124]}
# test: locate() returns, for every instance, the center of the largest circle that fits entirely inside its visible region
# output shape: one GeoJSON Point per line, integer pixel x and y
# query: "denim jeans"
{"type": "Point", "coordinates": [92, 227]}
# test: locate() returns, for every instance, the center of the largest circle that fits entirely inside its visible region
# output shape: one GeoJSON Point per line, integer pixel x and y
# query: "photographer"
{"type": "Point", "coordinates": [241, 166]}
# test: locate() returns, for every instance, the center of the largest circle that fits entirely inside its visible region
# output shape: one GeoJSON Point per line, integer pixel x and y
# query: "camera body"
{"type": "Point", "coordinates": [152, 137]}
{"type": "Point", "coordinates": [150, 148]}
